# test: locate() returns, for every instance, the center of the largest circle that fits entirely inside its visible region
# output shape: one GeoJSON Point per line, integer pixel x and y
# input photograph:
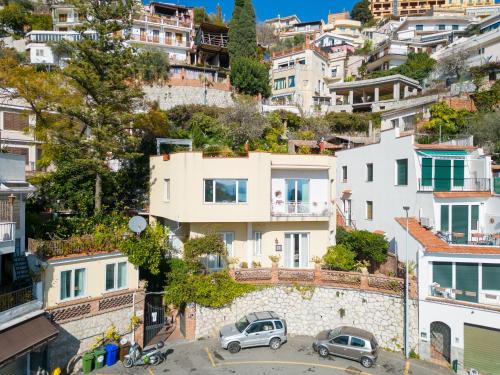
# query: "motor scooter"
{"type": "Point", "coordinates": [137, 357]}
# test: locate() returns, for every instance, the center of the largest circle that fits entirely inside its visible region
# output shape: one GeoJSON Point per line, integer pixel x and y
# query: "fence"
{"type": "Point", "coordinates": [16, 298]}
{"type": "Point", "coordinates": [77, 245]}
{"type": "Point", "coordinates": [322, 277]}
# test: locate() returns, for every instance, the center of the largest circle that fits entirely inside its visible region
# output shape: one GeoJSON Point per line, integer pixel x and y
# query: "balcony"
{"type": "Point", "coordinates": [7, 237]}
{"type": "Point", "coordinates": [301, 209]}
{"type": "Point", "coordinates": [165, 21]}
{"type": "Point", "coordinates": [448, 184]}
{"type": "Point", "coordinates": [16, 297]}
{"type": "Point", "coordinates": [475, 238]}
{"type": "Point", "coordinates": [489, 299]}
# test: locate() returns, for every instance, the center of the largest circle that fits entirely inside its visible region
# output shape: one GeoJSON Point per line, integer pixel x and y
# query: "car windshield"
{"type": "Point", "coordinates": [333, 333]}
{"type": "Point", "coordinates": [242, 324]}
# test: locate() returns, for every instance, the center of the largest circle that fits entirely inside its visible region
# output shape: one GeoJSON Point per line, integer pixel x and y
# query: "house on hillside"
{"type": "Point", "coordinates": [261, 204]}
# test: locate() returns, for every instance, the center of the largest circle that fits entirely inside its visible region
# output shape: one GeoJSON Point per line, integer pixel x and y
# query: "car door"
{"type": "Point", "coordinates": [266, 333]}
{"type": "Point", "coordinates": [253, 336]}
{"type": "Point", "coordinates": [356, 349]}
{"type": "Point", "coordinates": [339, 345]}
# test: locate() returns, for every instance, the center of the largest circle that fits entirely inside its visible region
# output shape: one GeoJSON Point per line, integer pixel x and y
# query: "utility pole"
{"type": "Point", "coordinates": [407, 323]}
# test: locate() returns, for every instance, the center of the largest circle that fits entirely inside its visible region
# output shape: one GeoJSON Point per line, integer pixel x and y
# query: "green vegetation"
{"type": "Point", "coordinates": [340, 257]}
{"type": "Point", "coordinates": [250, 76]}
{"type": "Point", "coordinates": [369, 247]}
{"type": "Point", "coordinates": [361, 12]}
{"type": "Point", "coordinates": [418, 66]}
{"type": "Point", "coordinates": [242, 31]}
{"type": "Point", "coordinates": [487, 100]}
{"type": "Point", "coordinates": [288, 43]}
{"type": "Point", "coordinates": [198, 247]}
{"type": "Point", "coordinates": [153, 66]}
{"type": "Point", "coordinates": [446, 121]}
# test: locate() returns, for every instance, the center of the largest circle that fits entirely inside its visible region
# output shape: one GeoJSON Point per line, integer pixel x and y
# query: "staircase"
{"type": "Point", "coordinates": [22, 270]}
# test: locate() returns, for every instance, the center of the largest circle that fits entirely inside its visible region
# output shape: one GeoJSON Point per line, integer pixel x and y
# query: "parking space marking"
{"type": "Point", "coordinates": [210, 358]}
{"type": "Point", "coordinates": [407, 367]}
{"type": "Point", "coordinates": [358, 372]}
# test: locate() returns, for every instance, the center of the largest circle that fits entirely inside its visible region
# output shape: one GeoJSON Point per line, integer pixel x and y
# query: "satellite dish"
{"type": "Point", "coordinates": [137, 224]}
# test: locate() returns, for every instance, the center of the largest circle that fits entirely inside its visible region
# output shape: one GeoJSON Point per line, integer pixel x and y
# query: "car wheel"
{"type": "Point", "coordinates": [275, 343]}
{"type": "Point", "coordinates": [366, 362]}
{"type": "Point", "coordinates": [234, 347]}
{"type": "Point", "coordinates": [322, 351]}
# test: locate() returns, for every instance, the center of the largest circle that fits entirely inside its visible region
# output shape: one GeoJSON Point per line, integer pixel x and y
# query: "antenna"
{"type": "Point", "coordinates": [137, 224]}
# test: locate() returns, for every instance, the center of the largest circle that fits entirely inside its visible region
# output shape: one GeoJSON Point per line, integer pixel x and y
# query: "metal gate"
{"type": "Point", "coordinates": [155, 317]}
{"type": "Point", "coordinates": [182, 321]}
{"type": "Point", "coordinates": [440, 341]}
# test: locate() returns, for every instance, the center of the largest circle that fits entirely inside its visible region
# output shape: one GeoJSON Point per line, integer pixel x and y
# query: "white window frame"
{"type": "Point", "coordinates": [166, 190]}
{"type": "Point", "coordinates": [214, 180]}
{"type": "Point", "coordinates": [230, 252]}
{"type": "Point", "coordinates": [39, 52]}
{"type": "Point", "coordinates": [366, 213]}
{"type": "Point", "coordinates": [115, 277]}
{"type": "Point", "coordinates": [72, 291]}
{"type": "Point", "coordinates": [257, 243]}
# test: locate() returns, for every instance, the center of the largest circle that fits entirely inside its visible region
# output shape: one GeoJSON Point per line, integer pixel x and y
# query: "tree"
{"type": "Point", "coordinates": [455, 63]}
{"type": "Point", "coordinates": [266, 35]}
{"type": "Point", "coordinates": [242, 31]}
{"type": "Point", "coordinates": [486, 131]}
{"type": "Point", "coordinates": [153, 65]}
{"type": "Point", "coordinates": [196, 248]}
{"type": "Point", "coordinates": [366, 245]}
{"type": "Point", "coordinates": [13, 17]}
{"type": "Point", "coordinates": [340, 257]}
{"type": "Point", "coordinates": [361, 12]}
{"type": "Point", "coordinates": [418, 66]}
{"type": "Point", "coordinates": [250, 76]}
{"type": "Point", "coordinates": [243, 122]}
{"type": "Point", "coordinates": [446, 120]}
{"type": "Point", "coordinates": [487, 100]}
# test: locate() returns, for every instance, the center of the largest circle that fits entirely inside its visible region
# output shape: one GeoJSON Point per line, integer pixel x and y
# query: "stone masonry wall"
{"type": "Point", "coordinates": [310, 309]}
{"type": "Point", "coordinates": [169, 96]}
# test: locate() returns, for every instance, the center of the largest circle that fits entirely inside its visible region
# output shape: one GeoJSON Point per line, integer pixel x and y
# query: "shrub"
{"type": "Point", "coordinates": [209, 244]}
{"type": "Point", "coordinates": [366, 245]}
{"type": "Point", "coordinates": [340, 257]}
{"type": "Point", "coordinates": [250, 77]}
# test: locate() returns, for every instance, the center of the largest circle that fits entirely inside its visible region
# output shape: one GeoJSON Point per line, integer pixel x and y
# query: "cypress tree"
{"type": "Point", "coordinates": [242, 32]}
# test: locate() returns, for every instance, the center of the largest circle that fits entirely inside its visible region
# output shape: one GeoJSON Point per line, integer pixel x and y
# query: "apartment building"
{"type": "Point", "coordinates": [446, 186]}
{"type": "Point", "coordinates": [24, 330]}
{"type": "Point", "coordinates": [387, 55]}
{"type": "Point", "coordinates": [302, 28]}
{"type": "Point", "coordinates": [282, 23]}
{"type": "Point", "coordinates": [385, 8]}
{"type": "Point", "coordinates": [344, 26]}
{"type": "Point", "coordinates": [17, 125]}
{"type": "Point", "coordinates": [64, 17]}
{"type": "Point", "coordinates": [415, 27]}
{"type": "Point", "coordinates": [261, 204]}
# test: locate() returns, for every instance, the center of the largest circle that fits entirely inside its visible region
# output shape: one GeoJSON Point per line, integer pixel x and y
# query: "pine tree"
{"type": "Point", "coordinates": [242, 32]}
{"type": "Point", "coordinates": [361, 12]}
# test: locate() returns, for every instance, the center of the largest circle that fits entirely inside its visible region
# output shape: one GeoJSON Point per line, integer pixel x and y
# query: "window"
{"type": "Point", "coordinates": [302, 62]}
{"type": "Point", "coordinates": [280, 84]}
{"type": "Point", "coordinates": [474, 217]}
{"type": "Point", "coordinates": [369, 210]}
{"type": "Point", "coordinates": [291, 81]}
{"type": "Point", "coordinates": [369, 172]}
{"type": "Point", "coordinates": [419, 27]}
{"type": "Point", "coordinates": [344, 173]}
{"type": "Point", "coordinates": [402, 172]}
{"type": "Point", "coordinates": [491, 276]}
{"type": "Point", "coordinates": [341, 340]}
{"type": "Point", "coordinates": [445, 218]}
{"type": "Point", "coordinates": [166, 189]}
{"type": "Point", "coordinates": [39, 52]}
{"type": "Point", "coordinates": [72, 283]}
{"type": "Point", "coordinates": [225, 191]}
{"type": "Point", "coordinates": [334, 72]}
{"type": "Point", "coordinates": [357, 342]}
{"type": "Point", "coordinates": [15, 121]}
{"type": "Point", "coordinates": [228, 238]}
{"type": "Point", "coordinates": [116, 275]}
{"type": "Point", "coordinates": [454, 27]}
{"type": "Point", "coordinates": [278, 324]}
{"type": "Point", "coordinates": [257, 243]}
{"type": "Point", "coordinates": [441, 27]}
{"type": "Point", "coordinates": [481, 51]}
{"type": "Point", "coordinates": [442, 274]}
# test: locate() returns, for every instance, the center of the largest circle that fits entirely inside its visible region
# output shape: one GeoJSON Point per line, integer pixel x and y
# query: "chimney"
{"type": "Point", "coordinates": [307, 41]}
{"type": "Point", "coordinates": [246, 148]}
{"type": "Point", "coordinates": [322, 145]}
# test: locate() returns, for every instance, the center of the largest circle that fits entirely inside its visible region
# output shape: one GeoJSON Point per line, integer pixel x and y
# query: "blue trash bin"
{"type": "Point", "coordinates": [111, 354]}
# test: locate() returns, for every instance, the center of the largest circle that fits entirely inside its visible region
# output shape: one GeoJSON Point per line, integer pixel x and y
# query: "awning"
{"type": "Point", "coordinates": [442, 152]}
{"type": "Point", "coordinates": [21, 338]}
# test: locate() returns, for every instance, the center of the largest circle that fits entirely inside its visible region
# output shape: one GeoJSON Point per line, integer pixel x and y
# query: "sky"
{"type": "Point", "coordinates": [307, 10]}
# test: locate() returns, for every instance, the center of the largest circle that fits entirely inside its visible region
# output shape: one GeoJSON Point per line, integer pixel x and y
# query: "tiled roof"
{"type": "Point", "coordinates": [443, 147]}
{"type": "Point", "coordinates": [434, 244]}
{"type": "Point", "coordinates": [461, 194]}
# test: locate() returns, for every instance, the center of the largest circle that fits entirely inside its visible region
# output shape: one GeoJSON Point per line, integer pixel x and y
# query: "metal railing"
{"type": "Point", "coordinates": [485, 298]}
{"type": "Point", "coordinates": [301, 209]}
{"type": "Point", "coordinates": [7, 231]}
{"type": "Point", "coordinates": [450, 184]}
{"type": "Point", "coordinates": [16, 298]}
{"type": "Point", "coordinates": [213, 39]}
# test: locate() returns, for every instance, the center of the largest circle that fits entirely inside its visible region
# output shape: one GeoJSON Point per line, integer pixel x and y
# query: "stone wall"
{"type": "Point", "coordinates": [310, 309]}
{"type": "Point", "coordinates": [169, 95]}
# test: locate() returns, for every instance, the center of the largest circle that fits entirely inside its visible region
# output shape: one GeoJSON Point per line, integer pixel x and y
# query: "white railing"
{"type": "Point", "coordinates": [7, 231]}
{"type": "Point", "coordinates": [482, 297]}
{"type": "Point", "coordinates": [301, 209]}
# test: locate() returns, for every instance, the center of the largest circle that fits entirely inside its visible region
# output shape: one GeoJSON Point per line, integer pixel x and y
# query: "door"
{"type": "Point", "coordinates": [442, 175]}
{"type": "Point", "coordinates": [466, 275]}
{"type": "Point", "coordinates": [347, 212]}
{"type": "Point", "coordinates": [339, 345]}
{"type": "Point", "coordinates": [440, 341]}
{"type": "Point", "coordinates": [297, 250]}
{"type": "Point", "coordinates": [357, 348]}
{"type": "Point", "coordinates": [256, 334]}
{"type": "Point", "coordinates": [460, 223]}
{"type": "Point", "coordinates": [297, 196]}
{"type": "Point", "coordinates": [482, 349]}
{"type": "Point", "coordinates": [143, 34]}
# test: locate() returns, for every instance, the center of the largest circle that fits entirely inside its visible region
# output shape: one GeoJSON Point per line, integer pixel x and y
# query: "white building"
{"type": "Point", "coordinates": [282, 23]}
{"type": "Point", "coordinates": [413, 27]}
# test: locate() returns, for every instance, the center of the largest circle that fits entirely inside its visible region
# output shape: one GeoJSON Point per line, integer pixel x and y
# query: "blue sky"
{"type": "Point", "coordinates": [307, 10]}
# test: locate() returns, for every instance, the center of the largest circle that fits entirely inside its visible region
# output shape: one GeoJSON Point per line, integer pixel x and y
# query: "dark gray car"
{"type": "Point", "coordinates": [263, 328]}
{"type": "Point", "coordinates": [348, 342]}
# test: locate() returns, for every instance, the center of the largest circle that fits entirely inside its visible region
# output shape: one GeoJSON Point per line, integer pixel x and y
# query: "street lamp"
{"type": "Point", "coordinates": [407, 323]}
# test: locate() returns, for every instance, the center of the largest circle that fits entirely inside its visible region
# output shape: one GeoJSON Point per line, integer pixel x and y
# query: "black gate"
{"type": "Point", "coordinates": [440, 341]}
{"type": "Point", "coordinates": [155, 318]}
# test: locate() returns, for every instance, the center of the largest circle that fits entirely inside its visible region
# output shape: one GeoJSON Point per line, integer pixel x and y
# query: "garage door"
{"type": "Point", "coordinates": [482, 349]}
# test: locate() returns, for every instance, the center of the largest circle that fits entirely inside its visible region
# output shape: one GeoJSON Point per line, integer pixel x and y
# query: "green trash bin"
{"type": "Point", "coordinates": [87, 362]}
{"type": "Point", "coordinates": [99, 355]}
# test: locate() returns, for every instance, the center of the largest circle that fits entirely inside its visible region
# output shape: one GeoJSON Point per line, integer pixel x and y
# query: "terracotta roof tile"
{"type": "Point", "coordinates": [461, 194]}
{"type": "Point", "coordinates": [443, 147]}
{"type": "Point", "coordinates": [434, 244]}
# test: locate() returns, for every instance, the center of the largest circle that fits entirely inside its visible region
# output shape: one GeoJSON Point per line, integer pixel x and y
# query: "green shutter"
{"type": "Point", "coordinates": [442, 175]}
{"type": "Point", "coordinates": [402, 166]}
{"type": "Point", "coordinates": [481, 349]}
{"type": "Point", "coordinates": [474, 217]}
{"type": "Point", "coordinates": [458, 173]}
{"type": "Point", "coordinates": [460, 223]}
{"type": "Point", "coordinates": [466, 276]}
{"type": "Point", "coordinates": [496, 185]}
{"type": "Point", "coordinates": [445, 217]}
{"type": "Point", "coordinates": [491, 276]}
{"type": "Point", "coordinates": [442, 274]}
{"type": "Point", "coordinates": [427, 172]}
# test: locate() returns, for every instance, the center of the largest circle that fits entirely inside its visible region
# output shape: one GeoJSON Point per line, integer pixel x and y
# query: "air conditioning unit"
{"type": "Point", "coordinates": [426, 222]}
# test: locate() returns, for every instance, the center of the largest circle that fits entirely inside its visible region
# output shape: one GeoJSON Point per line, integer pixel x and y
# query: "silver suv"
{"type": "Point", "coordinates": [263, 328]}
{"type": "Point", "coordinates": [348, 342]}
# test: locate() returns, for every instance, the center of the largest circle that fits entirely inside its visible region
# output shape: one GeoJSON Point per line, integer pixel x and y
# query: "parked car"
{"type": "Point", "coordinates": [348, 342]}
{"type": "Point", "coordinates": [263, 328]}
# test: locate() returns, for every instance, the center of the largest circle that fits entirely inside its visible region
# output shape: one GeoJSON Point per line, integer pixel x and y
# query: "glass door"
{"type": "Point", "coordinates": [296, 250]}
{"type": "Point", "coordinates": [297, 196]}
{"type": "Point", "coordinates": [460, 223]}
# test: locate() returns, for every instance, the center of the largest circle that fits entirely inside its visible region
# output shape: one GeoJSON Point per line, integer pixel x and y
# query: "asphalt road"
{"type": "Point", "coordinates": [293, 358]}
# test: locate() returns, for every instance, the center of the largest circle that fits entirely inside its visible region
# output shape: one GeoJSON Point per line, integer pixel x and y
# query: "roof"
{"type": "Point", "coordinates": [261, 315]}
{"type": "Point", "coordinates": [434, 244]}
{"type": "Point", "coordinates": [443, 147]}
{"type": "Point", "coordinates": [21, 338]}
{"type": "Point", "coordinates": [353, 331]}
{"type": "Point", "coordinates": [312, 143]}
{"type": "Point", "coordinates": [353, 139]}
{"type": "Point", "coordinates": [376, 81]}
{"type": "Point", "coordinates": [211, 27]}
{"type": "Point", "coordinates": [282, 18]}
{"type": "Point", "coordinates": [461, 194]}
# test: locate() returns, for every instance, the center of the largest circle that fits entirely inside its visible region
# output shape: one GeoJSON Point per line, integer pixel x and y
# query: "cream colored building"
{"type": "Point", "coordinates": [263, 204]}
{"type": "Point", "coordinates": [344, 27]}
{"type": "Point", "coordinates": [385, 8]}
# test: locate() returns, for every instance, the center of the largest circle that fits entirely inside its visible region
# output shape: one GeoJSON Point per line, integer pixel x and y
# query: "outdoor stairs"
{"type": "Point", "coordinates": [22, 270]}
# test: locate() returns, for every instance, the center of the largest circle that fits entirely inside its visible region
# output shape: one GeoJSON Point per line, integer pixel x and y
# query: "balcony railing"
{"type": "Point", "coordinates": [301, 209]}
{"type": "Point", "coordinates": [161, 20]}
{"type": "Point", "coordinates": [7, 231]}
{"type": "Point", "coordinates": [465, 296]}
{"type": "Point", "coordinates": [476, 238]}
{"type": "Point", "coordinates": [449, 184]}
{"type": "Point", "coordinates": [214, 39]}
{"type": "Point", "coordinates": [16, 298]}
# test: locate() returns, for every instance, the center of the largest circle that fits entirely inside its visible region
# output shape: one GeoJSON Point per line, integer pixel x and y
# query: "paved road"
{"type": "Point", "coordinates": [293, 358]}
